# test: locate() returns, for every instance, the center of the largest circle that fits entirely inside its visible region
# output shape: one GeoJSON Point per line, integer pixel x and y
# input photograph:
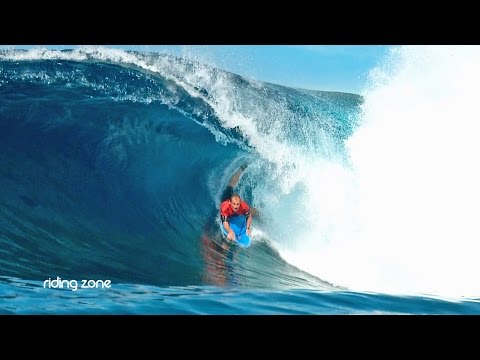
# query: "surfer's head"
{"type": "Point", "coordinates": [235, 201]}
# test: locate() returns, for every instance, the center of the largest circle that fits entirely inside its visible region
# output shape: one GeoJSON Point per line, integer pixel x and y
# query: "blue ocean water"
{"type": "Point", "coordinates": [111, 173]}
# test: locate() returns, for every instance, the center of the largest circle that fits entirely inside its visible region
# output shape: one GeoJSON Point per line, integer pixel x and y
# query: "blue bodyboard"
{"type": "Point", "coordinates": [239, 226]}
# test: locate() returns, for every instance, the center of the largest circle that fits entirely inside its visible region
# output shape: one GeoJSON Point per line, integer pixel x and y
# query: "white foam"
{"type": "Point", "coordinates": [405, 220]}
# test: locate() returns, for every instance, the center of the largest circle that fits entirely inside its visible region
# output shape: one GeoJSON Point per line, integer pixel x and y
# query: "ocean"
{"type": "Point", "coordinates": [112, 164]}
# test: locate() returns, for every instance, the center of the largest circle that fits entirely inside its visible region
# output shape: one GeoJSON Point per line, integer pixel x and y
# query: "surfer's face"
{"type": "Point", "coordinates": [235, 203]}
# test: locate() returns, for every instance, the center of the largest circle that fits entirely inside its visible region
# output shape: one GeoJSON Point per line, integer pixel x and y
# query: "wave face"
{"type": "Point", "coordinates": [113, 164]}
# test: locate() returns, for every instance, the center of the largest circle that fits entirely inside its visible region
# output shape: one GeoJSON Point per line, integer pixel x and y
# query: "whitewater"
{"type": "Point", "coordinates": [114, 161]}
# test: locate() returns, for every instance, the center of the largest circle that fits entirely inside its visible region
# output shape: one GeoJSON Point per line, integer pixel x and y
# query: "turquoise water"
{"type": "Point", "coordinates": [23, 297]}
{"type": "Point", "coordinates": [112, 170]}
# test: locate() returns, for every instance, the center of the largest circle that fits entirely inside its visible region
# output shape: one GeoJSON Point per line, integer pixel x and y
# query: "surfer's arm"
{"type": "Point", "coordinates": [231, 234]}
{"type": "Point", "coordinates": [226, 225]}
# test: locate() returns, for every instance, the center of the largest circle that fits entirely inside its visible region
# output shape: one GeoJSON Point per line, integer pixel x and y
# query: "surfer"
{"type": "Point", "coordinates": [218, 256]}
{"type": "Point", "coordinates": [233, 205]}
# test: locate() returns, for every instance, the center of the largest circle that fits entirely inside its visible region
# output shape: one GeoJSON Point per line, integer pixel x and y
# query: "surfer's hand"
{"type": "Point", "coordinates": [231, 235]}
{"type": "Point", "coordinates": [249, 232]}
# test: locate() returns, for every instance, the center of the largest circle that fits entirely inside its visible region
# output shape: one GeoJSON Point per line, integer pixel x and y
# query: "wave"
{"type": "Point", "coordinates": [113, 164]}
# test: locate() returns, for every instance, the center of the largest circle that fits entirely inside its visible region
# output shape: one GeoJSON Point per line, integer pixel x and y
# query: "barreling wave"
{"type": "Point", "coordinates": [113, 163]}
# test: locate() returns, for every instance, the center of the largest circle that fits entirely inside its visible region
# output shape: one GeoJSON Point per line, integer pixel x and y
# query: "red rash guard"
{"type": "Point", "coordinates": [226, 210]}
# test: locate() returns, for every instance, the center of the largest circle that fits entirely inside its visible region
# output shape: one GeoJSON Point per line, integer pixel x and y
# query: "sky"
{"type": "Point", "coordinates": [342, 68]}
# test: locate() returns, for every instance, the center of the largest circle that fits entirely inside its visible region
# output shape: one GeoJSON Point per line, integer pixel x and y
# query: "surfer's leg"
{"type": "Point", "coordinates": [228, 192]}
{"type": "Point", "coordinates": [236, 176]}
